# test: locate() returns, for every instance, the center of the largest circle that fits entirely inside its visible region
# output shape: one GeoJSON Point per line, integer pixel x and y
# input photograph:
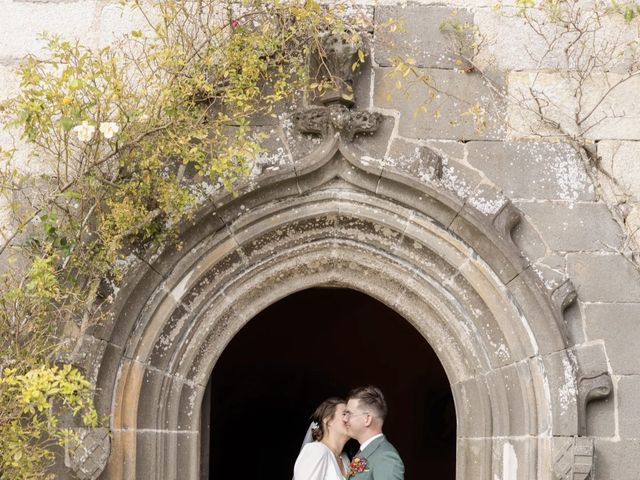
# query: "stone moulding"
{"type": "Point", "coordinates": [590, 388]}
{"type": "Point", "coordinates": [453, 273]}
{"type": "Point", "coordinates": [334, 219]}
{"type": "Point", "coordinates": [564, 295]}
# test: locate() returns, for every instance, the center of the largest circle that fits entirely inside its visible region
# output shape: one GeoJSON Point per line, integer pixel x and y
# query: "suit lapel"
{"type": "Point", "coordinates": [366, 453]}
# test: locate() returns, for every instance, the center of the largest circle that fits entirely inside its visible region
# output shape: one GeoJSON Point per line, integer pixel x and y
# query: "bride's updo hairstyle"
{"type": "Point", "coordinates": [324, 410]}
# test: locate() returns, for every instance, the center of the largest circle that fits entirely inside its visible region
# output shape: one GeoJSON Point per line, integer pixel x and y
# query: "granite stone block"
{"type": "Point", "coordinates": [423, 33]}
{"type": "Point", "coordinates": [604, 278]}
{"type": "Point", "coordinates": [447, 113]}
{"type": "Point", "coordinates": [613, 323]}
{"type": "Point", "coordinates": [528, 170]}
{"type": "Point", "coordinates": [571, 227]}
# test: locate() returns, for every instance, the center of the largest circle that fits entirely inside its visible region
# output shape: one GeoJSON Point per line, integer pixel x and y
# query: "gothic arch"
{"type": "Point", "coordinates": [453, 272]}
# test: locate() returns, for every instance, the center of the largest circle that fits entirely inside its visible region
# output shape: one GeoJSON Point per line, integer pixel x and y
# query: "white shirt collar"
{"type": "Point", "coordinates": [366, 444]}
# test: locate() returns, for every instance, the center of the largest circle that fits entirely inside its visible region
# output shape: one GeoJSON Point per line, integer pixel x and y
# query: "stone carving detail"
{"type": "Point", "coordinates": [573, 458]}
{"type": "Point", "coordinates": [337, 118]}
{"type": "Point", "coordinates": [334, 62]}
{"type": "Point", "coordinates": [591, 387]}
{"type": "Point", "coordinates": [89, 457]}
{"type": "Point", "coordinates": [564, 295]}
{"type": "Point", "coordinates": [507, 219]}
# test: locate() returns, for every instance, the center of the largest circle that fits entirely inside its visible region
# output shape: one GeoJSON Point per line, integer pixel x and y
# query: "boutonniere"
{"type": "Point", "coordinates": [358, 465]}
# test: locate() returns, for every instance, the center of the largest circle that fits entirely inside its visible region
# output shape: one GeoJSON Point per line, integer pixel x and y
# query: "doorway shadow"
{"type": "Point", "coordinates": [311, 345]}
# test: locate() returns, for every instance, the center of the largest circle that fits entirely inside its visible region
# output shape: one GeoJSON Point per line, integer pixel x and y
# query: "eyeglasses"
{"type": "Point", "coordinates": [347, 414]}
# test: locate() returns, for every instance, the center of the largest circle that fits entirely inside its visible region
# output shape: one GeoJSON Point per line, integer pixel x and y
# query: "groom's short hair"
{"type": "Point", "coordinates": [372, 398]}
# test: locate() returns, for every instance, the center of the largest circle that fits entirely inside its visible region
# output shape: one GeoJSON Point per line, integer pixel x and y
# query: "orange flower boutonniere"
{"type": "Point", "coordinates": [358, 465]}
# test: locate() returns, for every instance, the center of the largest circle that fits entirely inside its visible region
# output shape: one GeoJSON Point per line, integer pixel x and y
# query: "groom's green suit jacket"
{"type": "Point", "coordinates": [383, 462]}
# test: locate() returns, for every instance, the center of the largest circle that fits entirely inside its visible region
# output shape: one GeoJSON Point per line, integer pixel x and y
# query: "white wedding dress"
{"type": "Point", "coordinates": [317, 462]}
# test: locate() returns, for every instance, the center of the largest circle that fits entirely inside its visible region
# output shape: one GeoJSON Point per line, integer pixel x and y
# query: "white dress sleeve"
{"type": "Point", "coordinates": [314, 463]}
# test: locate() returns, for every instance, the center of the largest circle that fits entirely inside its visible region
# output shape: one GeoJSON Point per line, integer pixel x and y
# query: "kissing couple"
{"type": "Point", "coordinates": [335, 421]}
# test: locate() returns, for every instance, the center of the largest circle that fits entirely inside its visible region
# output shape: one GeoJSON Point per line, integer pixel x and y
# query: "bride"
{"type": "Point", "coordinates": [322, 458]}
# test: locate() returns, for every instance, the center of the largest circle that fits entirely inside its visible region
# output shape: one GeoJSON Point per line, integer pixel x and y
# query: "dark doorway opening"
{"type": "Point", "coordinates": [309, 346]}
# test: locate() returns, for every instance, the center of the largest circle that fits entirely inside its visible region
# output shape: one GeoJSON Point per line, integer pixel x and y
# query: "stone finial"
{"type": "Point", "coordinates": [591, 387]}
{"type": "Point", "coordinates": [334, 58]}
{"type": "Point", "coordinates": [334, 62]}
{"type": "Point", "coordinates": [572, 458]}
{"type": "Point", "coordinates": [89, 457]}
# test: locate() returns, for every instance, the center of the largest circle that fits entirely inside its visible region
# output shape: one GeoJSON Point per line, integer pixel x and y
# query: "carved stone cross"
{"type": "Point", "coordinates": [336, 115]}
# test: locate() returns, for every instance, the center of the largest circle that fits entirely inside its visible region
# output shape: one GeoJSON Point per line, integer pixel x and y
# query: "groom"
{"type": "Point", "coordinates": [363, 418]}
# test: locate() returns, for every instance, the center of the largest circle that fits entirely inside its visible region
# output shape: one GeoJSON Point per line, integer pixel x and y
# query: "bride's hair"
{"type": "Point", "coordinates": [324, 410]}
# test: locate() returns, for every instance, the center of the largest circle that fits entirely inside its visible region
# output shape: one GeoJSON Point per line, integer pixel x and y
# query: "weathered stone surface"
{"type": "Point", "coordinates": [128, 310]}
{"type": "Point", "coordinates": [593, 277]}
{"type": "Point", "coordinates": [532, 170]}
{"type": "Point", "coordinates": [512, 457]}
{"type": "Point", "coordinates": [574, 324]}
{"type": "Point", "coordinates": [572, 458]}
{"type": "Point", "coordinates": [617, 459]}
{"type": "Point", "coordinates": [88, 459]}
{"type": "Point", "coordinates": [550, 337]}
{"type": "Point", "coordinates": [620, 159]}
{"type": "Point", "coordinates": [485, 325]}
{"type": "Point", "coordinates": [564, 389]}
{"type": "Point", "coordinates": [107, 378]}
{"type": "Point", "coordinates": [21, 22]}
{"type": "Point", "coordinates": [420, 35]}
{"type": "Point", "coordinates": [448, 150]}
{"type": "Point", "coordinates": [471, 397]}
{"type": "Point", "coordinates": [9, 82]}
{"type": "Point", "coordinates": [561, 105]}
{"type": "Point", "coordinates": [529, 241]}
{"type": "Point", "coordinates": [369, 149]}
{"type": "Point", "coordinates": [614, 323]}
{"type": "Point", "coordinates": [511, 43]}
{"type": "Point", "coordinates": [153, 464]}
{"type": "Point", "coordinates": [473, 457]}
{"type": "Point", "coordinates": [115, 20]}
{"type": "Point", "coordinates": [551, 269]}
{"type": "Point", "coordinates": [416, 160]}
{"type": "Point", "coordinates": [513, 382]}
{"type": "Point", "coordinates": [459, 179]}
{"type": "Point", "coordinates": [272, 164]}
{"type": "Point", "coordinates": [87, 355]}
{"type": "Point", "coordinates": [299, 144]}
{"type": "Point", "coordinates": [628, 401]}
{"type": "Point", "coordinates": [444, 119]}
{"type": "Point", "coordinates": [601, 417]}
{"type": "Point", "coordinates": [570, 227]}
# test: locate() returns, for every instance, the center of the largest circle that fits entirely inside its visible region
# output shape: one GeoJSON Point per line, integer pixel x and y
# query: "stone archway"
{"type": "Point", "coordinates": [312, 345]}
{"type": "Point", "coordinates": [451, 270]}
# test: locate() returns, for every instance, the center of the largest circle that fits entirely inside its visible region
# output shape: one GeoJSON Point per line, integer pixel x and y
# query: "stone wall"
{"type": "Point", "coordinates": [577, 223]}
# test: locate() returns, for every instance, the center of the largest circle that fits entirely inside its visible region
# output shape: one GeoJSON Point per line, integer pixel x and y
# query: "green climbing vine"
{"type": "Point", "coordinates": [126, 142]}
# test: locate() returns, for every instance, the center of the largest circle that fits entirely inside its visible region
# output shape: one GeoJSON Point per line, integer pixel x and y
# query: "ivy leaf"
{"type": "Point", "coordinates": [67, 123]}
{"type": "Point", "coordinates": [72, 194]}
{"type": "Point", "coordinates": [629, 14]}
